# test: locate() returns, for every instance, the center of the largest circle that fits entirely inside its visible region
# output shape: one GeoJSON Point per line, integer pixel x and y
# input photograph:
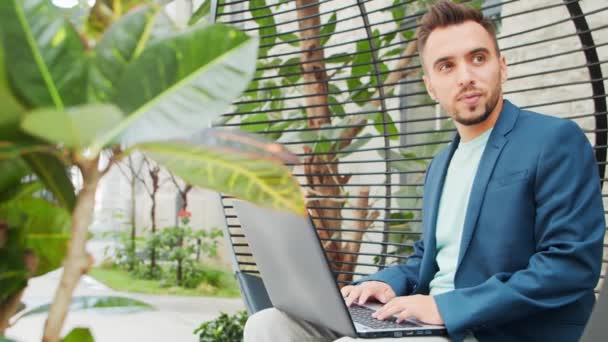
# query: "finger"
{"type": "Point", "coordinates": [380, 312]}
{"type": "Point", "coordinates": [404, 315]}
{"type": "Point", "coordinates": [384, 295]}
{"type": "Point", "coordinates": [353, 296]}
{"type": "Point", "coordinates": [365, 294]}
{"type": "Point", "coordinates": [388, 294]}
{"type": "Point", "coordinates": [346, 290]}
{"type": "Point", "coordinates": [390, 309]}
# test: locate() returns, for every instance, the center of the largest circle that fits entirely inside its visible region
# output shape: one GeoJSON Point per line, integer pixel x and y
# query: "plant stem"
{"type": "Point", "coordinates": [8, 309]}
{"type": "Point", "coordinates": [77, 262]}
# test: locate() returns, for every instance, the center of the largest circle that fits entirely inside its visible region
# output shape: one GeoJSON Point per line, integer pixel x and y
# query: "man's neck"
{"type": "Point", "coordinates": [468, 133]}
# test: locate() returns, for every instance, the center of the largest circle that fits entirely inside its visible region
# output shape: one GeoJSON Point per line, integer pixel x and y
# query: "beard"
{"type": "Point", "coordinates": [483, 116]}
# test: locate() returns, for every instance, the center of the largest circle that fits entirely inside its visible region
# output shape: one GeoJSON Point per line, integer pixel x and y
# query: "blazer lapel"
{"type": "Point", "coordinates": [494, 147]}
{"type": "Point", "coordinates": [439, 171]}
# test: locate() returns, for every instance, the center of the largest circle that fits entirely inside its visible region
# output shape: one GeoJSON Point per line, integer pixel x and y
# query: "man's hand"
{"type": "Point", "coordinates": [421, 307]}
{"type": "Point", "coordinates": [366, 290]}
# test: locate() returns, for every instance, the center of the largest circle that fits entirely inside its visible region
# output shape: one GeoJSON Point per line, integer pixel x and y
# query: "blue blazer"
{"type": "Point", "coordinates": [532, 240]}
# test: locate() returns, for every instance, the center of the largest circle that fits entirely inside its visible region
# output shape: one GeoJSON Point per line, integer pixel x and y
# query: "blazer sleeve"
{"type": "Point", "coordinates": [402, 278]}
{"type": "Point", "coordinates": [569, 231]}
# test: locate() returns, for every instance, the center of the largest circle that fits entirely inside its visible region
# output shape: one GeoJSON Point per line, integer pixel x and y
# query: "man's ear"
{"type": "Point", "coordinates": [503, 69]}
{"type": "Point", "coordinates": [429, 87]}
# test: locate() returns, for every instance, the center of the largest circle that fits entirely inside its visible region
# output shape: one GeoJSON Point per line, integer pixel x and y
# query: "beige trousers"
{"type": "Point", "coordinates": [272, 325]}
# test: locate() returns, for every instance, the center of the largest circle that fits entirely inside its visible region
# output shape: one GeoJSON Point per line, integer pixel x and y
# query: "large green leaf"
{"type": "Point", "coordinates": [76, 127]}
{"type": "Point", "coordinates": [179, 85]}
{"type": "Point", "coordinates": [13, 271]}
{"type": "Point", "coordinates": [46, 228]}
{"type": "Point", "coordinates": [53, 173]}
{"type": "Point", "coordinates": [123, 42]}
{"type": "Point", "coordinates": [12, 171]}
{"type": "Point", "coordinates": [251, 176]}
{"type": "Point", "coordinates": [47, 167]}
{"type": "Point", "coordinates": [10, 108]}
{"type": "Point", "coordinates": [45, 53]}
{"type": "Point", "coordinates": [16, 149]}
{"type": "Point", "coordinates": [79, 335]}
{"type": "Point", "coordinates": [202, 12]}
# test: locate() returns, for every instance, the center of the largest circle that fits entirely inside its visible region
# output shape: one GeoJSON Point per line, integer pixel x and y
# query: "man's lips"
{"type": "Point", "coordinates": [470, 98]}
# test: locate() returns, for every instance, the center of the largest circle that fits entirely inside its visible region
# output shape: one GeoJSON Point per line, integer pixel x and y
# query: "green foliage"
{"type": "Point", "coordinates": [182, 247]}
{"type": "Point", "coordinates": [179, 250]}
{"type": "Point", "coordinates": [44, 228]}
{"type": "Point", "coordinates": [33, 237]}
{"type": "Point", "coordinates": [12, 172]}
{"type": "Point", "coordinates": [201, 13]}
{"type": "Point", "coordinates": [264, 18]}
{"type": "Point", "coordinates": [79, 335]}
{"type": "Point", "coordinates": [119, 46]}
{"type": "Point", "coordinates": [170, 81]}
{"type": "Point", "coordinates": [52, 171]}
{"type": "Point", "coordinates": [10, 108]}
{"type": "Point", "coordinates": [225, 328]}
{"type": "Point", "coordinates": [76, 128]}
{"type": "Point", "coordinates": [290, 70]}
{"type": "Point", "coordinates": [214, 282]}
{"type": "Point", "coordinates": [124, 255]}
{"type": "Point", "coordinates": [328, 29]}
{"type": "Point", "coordinates": [131, 77]}
{"type": "Point", "coordinates": [184, 85]}
{"type": "Point", "coordinates": [48, 67]}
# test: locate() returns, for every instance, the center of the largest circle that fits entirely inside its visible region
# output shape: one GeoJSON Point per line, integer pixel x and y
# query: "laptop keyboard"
{"type": "Point", "coordinates": [363, 315]}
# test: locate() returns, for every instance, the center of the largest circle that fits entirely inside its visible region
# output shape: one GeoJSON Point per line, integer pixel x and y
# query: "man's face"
{"type": "Point", "coordinates": [464, 72]}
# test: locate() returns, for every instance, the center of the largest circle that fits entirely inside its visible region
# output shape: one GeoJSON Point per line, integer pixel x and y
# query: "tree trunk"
{"type": "Point", "coordinates": [153, 218]}
{"type": "Point", "coordinates": [77, 261]}
{"type": "Point", "coordinates": [322, 173]}
{"type": "Point", "coordinates": [325, 210]}
{"type": "Point", "coordinates": [179, 272]}
{"type": "Point", "coordinates": [365, 220]}
{"type": "Point", "coordinates": [154, 175]}
{"type": "Point", "coordinates": [183, 194]}
{"type": "Point", "coordinates": [133, 230]}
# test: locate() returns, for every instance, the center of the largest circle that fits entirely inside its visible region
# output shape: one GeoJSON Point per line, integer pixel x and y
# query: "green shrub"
{"type": "Point", "coordinates": [225, 328]}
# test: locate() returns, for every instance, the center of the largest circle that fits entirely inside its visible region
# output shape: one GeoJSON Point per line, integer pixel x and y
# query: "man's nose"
{"type": "Point", "coordinates": [465, 76]}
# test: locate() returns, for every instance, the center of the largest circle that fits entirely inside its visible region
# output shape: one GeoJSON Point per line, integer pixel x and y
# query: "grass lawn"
{"type": "Point", "coordinates": [121, 280]}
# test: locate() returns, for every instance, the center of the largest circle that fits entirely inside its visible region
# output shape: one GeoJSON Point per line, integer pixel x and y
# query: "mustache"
{"type": "Point", "coordinates": [468, 89]}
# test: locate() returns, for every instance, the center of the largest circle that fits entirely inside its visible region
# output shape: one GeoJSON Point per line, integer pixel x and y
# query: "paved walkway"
{"type": "Point", "coordinates": [174, 318]}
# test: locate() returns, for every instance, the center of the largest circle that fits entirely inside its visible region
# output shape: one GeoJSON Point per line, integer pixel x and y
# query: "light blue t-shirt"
{"type": "Point", "coordinates": [452, 210]}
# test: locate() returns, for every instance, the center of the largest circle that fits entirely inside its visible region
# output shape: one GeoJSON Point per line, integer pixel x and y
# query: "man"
{"type": "Point", "coordinates": [513, 221]}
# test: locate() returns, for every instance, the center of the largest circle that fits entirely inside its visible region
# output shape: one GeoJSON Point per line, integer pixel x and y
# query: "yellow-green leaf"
{"type": "Point", "coordinates": [250, 176]}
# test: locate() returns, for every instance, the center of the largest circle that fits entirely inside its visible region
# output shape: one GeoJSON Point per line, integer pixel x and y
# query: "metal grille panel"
{"type": "Point", "coordinates": [557, 54]}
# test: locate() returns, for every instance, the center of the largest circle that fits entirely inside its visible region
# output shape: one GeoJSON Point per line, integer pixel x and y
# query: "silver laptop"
{"type": "Point", "coordinates": [296, 274]}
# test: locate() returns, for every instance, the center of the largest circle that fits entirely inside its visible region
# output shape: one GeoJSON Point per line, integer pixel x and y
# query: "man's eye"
{"type": "Point", "coordinates": [479, 58]}
{"type": "Point", "coordinates": [445, 67]}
